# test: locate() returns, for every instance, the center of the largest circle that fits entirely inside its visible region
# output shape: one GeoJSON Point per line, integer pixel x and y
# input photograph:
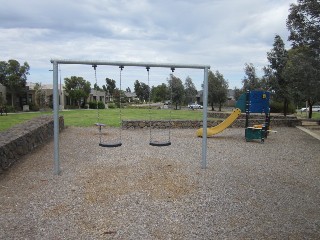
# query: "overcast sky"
{"type": "Point", "coordinates": [224, 34]}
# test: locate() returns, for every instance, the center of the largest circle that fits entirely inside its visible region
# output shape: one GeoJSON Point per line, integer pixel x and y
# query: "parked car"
{"type": "Point", "coordinates": [195, 106]}
{"type": "Point", "coordinates": [315, 108]}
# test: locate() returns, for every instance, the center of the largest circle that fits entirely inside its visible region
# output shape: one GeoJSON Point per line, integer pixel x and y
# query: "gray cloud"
{"type": "Point", "coordinates": [224, 34]}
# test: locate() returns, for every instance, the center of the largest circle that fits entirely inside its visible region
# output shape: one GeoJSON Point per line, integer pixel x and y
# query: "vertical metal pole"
{"type": "Point", "coordinates": [56, 118]}
{"type": "Point", "coordinates": [204, 124]}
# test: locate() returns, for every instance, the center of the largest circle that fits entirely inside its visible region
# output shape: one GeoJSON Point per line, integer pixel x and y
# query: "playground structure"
{"type": "Point", "coordinates": [255, 102]}
{"type": "Point", "coordinates": [250, 102]}
{"type": "Point", "coordinates": [119, 64]}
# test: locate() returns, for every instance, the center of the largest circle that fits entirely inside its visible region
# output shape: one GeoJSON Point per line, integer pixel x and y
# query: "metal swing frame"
{"type": "Point", "coordinates": [100, 125]}
{"type": "Point", "coordinates": [56, 62]}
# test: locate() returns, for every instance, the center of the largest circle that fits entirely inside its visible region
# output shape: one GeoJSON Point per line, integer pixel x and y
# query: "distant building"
{"type": "Point", "coordinates": [64, 99]}
{"type": "Point", "coordinates": [230, 96]}
{"type": "Point", "coordinates": [131, 96]}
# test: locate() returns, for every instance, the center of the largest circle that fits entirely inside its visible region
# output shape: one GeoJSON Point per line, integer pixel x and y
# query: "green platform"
{"type": "Point", "coordinates": [255, 133]}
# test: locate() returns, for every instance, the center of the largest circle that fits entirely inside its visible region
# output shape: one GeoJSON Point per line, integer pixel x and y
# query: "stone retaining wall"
{"type": "Point", "coordinates": [276, 121]}
{"type": "Point", "coordinates": [23, 138]}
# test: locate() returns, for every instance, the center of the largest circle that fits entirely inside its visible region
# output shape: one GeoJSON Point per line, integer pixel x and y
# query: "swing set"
{"type": "Point", "coordinates": [100, 125]}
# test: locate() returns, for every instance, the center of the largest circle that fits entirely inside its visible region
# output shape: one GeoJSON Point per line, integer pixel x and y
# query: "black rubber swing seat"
{"type": "Point", "coordinates": [116, 144]}
{"type": "Point", "coordinates": [160, 144]}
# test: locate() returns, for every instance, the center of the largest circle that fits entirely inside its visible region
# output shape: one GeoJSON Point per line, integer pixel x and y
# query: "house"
{"type": "Point", "coordinates": [131, 96]}
{"type": "Point", "coordinates": [18, 100]}
{"type": "Point", "coordinates": [64, 99]}
{"type": "Point", "coordinates": [230, 97]}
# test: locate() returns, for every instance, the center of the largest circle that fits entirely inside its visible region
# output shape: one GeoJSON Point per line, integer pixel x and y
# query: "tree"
{"type": "Point", "coordinates": [177, 90]}
{"type": "Point", "coordinates": [77, 88]}
{"type": "Point", "coordinates": [142, 90]}
{"type": "Point", "coordinates": [40, 95]}
{"type": "Point", "coordinates": [250, 81]}
{"type": "Point", "coordinates": [14, 76]}
{"type": "Point", "coordinates": [190, 90]}
{"type": "Point", "coordinates": [111, 86]}
{"type": "Point", "coordinates": [160, 93]}
{"type": "Point", "coordinates": [237, 93]}
{"type": "Point", "coordinates": [137, 89]}
{"type": "Point", "coordinates": [96, 87]}
{"type": "Point", "coordinates": [277, 58]}
{"type": "Point", "coordinates": [303, 24]}
{"type": "Point", "coordinates": [303, 72]}
{"type": "Point", "coordinates": [217, 89]}
{"type": "Point", "coordinates": [128, 90]}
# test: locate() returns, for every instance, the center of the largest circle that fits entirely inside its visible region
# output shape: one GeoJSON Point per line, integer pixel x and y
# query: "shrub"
{"type": "Point", "coordinates": [93, 105]}
{"type": "Point", "coordinates": [33, 107]}
{"type": "Point", "coordinates": [10, 109]}
{"type": "Point", "coordinates": [111, 105]}
{"type": "Point", "coordinates": [101, 105]}
{"type": "Point", "coordinates": [277, 107]}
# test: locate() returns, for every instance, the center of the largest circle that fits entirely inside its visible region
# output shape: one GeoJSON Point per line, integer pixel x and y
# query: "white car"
{"type": "Point", "coordinates": [315, 108]}
{"type": "Point", "coordinates": [195, 106]}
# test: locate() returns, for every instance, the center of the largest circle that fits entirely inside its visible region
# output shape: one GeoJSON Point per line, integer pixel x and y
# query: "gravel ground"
{"type": "Point", "coordinates": [249, 190]}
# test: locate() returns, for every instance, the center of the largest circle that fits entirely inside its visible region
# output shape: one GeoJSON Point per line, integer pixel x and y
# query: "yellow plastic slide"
{"type": "Point", "coordinates": [222, 126]}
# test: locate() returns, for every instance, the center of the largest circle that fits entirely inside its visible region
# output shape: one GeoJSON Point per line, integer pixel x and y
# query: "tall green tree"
{"type": "Point", "coordinates": [277, 58]}
{"type": "Point", "coordinates": [14, 76]}
{"type": "Point", "coordinates": [303, 71]}
{"type": "Point", "coordinates": [303, 24]}
{"type": "Point", "coordinates": [190, 91]}
{"type": "Point", "coordinates": [111, 86]}
{"type": "Point", "coordinates": [138, 89]}
{"type": "Point", "coordinates": [142, 90]}
{"type": "Point", "coordinates": [77, 88]}
{"type": "Point", "coordinates": [217, 89]}
{"type": "Point", "coordinates": [160, 93]}
{"type": "Point", "coordinates": [96, 87]}
{"type": "Point", "coordinates": [177, 90]}
{"type": "Point", "coordinates": [250, 81]}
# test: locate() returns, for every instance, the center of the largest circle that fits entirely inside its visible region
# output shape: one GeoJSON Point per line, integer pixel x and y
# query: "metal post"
{"type": "Point", "coordinates": [56, 118]}
{"type": "Point", "coordinates": [204, 125]}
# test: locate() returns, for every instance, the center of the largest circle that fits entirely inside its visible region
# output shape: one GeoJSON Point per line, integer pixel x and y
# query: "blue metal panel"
{"type": "Point", "coordinates": [259, 102]}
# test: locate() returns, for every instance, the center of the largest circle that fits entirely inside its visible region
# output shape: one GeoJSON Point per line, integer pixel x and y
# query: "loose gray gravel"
{"type": "Point", "coordinates": [249, 190]}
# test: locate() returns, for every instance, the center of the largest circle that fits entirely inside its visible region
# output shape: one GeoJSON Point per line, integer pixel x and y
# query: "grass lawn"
{"type": "Point", "coordinates": [315, 115]}
{"type": "Point", "coordinates": [111, 117]}
{"type": "Point", "coordinates": [12, 119]}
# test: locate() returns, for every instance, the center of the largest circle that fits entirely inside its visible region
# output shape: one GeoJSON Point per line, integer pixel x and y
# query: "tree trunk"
{"type": "Point", "coordinates": [310, 103]}
{"type": "Point", "coordinates": [285, 106]}
{"type": "Point", "coordinates": [12, 100]}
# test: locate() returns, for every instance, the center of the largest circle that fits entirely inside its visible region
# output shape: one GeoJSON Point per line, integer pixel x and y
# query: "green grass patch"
{"type": "Point", "coordinates": [315, 115]}
{"type": "Point", "coordinates": [13, 119]}
{"type": "Point", "coordinates": [110, 117]}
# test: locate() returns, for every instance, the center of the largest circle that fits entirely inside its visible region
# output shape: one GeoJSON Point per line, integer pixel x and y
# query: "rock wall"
{"type": "Point", "coordinates": [23, 138]}
{"type": "Point", "coordinates": [275, 121]}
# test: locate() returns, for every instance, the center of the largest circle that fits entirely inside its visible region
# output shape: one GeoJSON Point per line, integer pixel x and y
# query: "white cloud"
{"type": "Point", "coordinates": [224, 34]}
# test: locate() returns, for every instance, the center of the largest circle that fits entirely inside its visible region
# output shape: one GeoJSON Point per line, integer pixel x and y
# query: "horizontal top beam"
{"type": "Point", "coordinates": [134, 64]}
